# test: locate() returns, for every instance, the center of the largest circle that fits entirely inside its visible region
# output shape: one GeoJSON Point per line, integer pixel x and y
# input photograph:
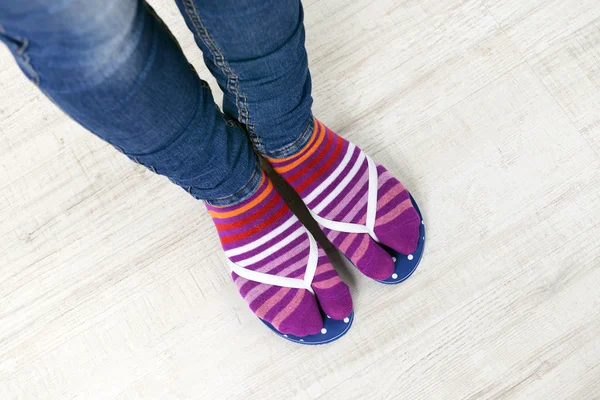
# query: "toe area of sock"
{"type": "Point", "coordinates": [336, 301]}
{"type": "Point", "coordinates": [306, 318]}
{"type": "Point", "coordinates": [375, 262]}
{"type": "Point", "coordinates": [401, 234]}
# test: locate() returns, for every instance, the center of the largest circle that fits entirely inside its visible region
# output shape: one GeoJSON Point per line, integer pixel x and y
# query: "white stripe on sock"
{"type": "Point", "coordinates": [271, 250]}
{"type": "Point", "coordinates": [342, 185]}
{"type": "Point", "coordinates": [259, 242]}
{"type": "Point", "coordinates": [319, 189]}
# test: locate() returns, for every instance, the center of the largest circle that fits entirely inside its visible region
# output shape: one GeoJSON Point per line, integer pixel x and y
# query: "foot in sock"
{"type": "Point", "coordinates": [262, 234]}
{"type": "Point", "coordinates": [331, 175]}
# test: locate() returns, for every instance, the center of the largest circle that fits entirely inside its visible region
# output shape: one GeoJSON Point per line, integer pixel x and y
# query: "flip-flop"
{"type": "Point", "coordinates": [332, 329]}
{"type": "Point", "coordinates": [404, 265]}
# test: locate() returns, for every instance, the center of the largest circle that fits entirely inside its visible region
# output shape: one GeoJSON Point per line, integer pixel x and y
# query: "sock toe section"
{"type": "Point", "coordinates": [304, 320]}
{"type": "Point", "coordinates": [402, 233]}
{"type": "Point", "coordinates": [333, 294]}
{"type": "Point", "coordinates": [336, 301]}
{"type": "Point", "coordinates": [377, 264]}
{"type": "Point", "coordinates": [366, 254]}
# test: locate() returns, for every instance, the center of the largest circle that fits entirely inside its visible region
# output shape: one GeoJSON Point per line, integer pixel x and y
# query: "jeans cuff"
{"type": "Point", "coordinates": [246, 191]}
{"type": "Point", "coordinates": [294, 147]}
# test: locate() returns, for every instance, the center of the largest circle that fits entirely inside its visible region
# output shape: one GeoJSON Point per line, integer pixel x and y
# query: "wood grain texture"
{"type": "Point", "coordinates": [113, 284]}
{"type": "Point", "coordinates": [535, 25]}
{"type": "Point", "coordinates": [570, 69]}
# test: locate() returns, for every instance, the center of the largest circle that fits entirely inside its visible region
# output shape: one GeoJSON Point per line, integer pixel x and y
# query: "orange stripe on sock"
{"type": "Point", "coordinates": [305, 169]}
{"type": "Point", "coordinates": [303, 158]}
{"type": "Point", "coordinates": [247, 220]}
{"type": "Point", "coordinates": [238, 211]}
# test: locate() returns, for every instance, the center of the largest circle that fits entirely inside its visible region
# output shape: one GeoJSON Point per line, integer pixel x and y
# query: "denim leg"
{"type": "Point", "coordinates": [115, 68]}
{"type": "Point", "coordinates": [255, 50]}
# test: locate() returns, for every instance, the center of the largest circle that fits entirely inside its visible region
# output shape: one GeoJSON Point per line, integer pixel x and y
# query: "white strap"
{"type": "Point", "coordinates": [369, 226]}
{"type": "Point", "coordinates": [313, 256]}
{"type": "Point", "coordinates": [269, 279]}
{"type": "Point", "coordinates": [372, 198]}
{"type": "Point", "coordinates": [340, 226]}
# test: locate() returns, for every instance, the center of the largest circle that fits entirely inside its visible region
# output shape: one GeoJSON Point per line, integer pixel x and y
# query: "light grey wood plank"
{"type": "Point", "coordinates": [535, 25]}
{"type": "Point", "coordinates": [490, 222]}
{"type": "Point", "coordinates": [531, 336]}
{"type": "Point", "coordinates": [570, 69]}
{"type": "Point", "coordinates": [400, 63]}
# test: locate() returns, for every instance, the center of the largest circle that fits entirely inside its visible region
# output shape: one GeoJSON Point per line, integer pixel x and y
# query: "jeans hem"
{"type": "Point", "coordinates": [244, 193]}
{"type": "Point", "coordinates": [295, 146]}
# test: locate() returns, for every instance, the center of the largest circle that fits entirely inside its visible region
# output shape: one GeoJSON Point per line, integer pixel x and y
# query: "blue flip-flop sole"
{"type": "Point", "coordinates": [333, 329]}
{"type": "Point", "coordinates": [405, 265]}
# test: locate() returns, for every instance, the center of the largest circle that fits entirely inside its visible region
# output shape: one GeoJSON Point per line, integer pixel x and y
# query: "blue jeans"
{"type": "Point", "coordinates": [114, 67]}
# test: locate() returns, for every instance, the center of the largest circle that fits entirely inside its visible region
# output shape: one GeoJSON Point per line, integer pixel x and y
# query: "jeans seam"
{"type": "Point", "coordinates": [241, 100]}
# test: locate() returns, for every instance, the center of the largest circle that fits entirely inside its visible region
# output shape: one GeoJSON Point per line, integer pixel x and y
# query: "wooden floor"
{"type": "Point", "coordinates": [113, 284]}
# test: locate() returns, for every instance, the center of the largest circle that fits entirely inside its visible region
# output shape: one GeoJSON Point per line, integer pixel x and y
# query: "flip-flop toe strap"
{"type": "Point", "coordinates": [270, 279]}
{"type": "Point", "coordinates": [369, 226]}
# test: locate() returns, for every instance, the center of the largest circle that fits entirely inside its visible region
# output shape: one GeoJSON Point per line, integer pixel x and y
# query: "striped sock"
{"type": "Point", "coordinates": [320, 173]}
{"type": "Point", "coordinates": [262, 234]}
